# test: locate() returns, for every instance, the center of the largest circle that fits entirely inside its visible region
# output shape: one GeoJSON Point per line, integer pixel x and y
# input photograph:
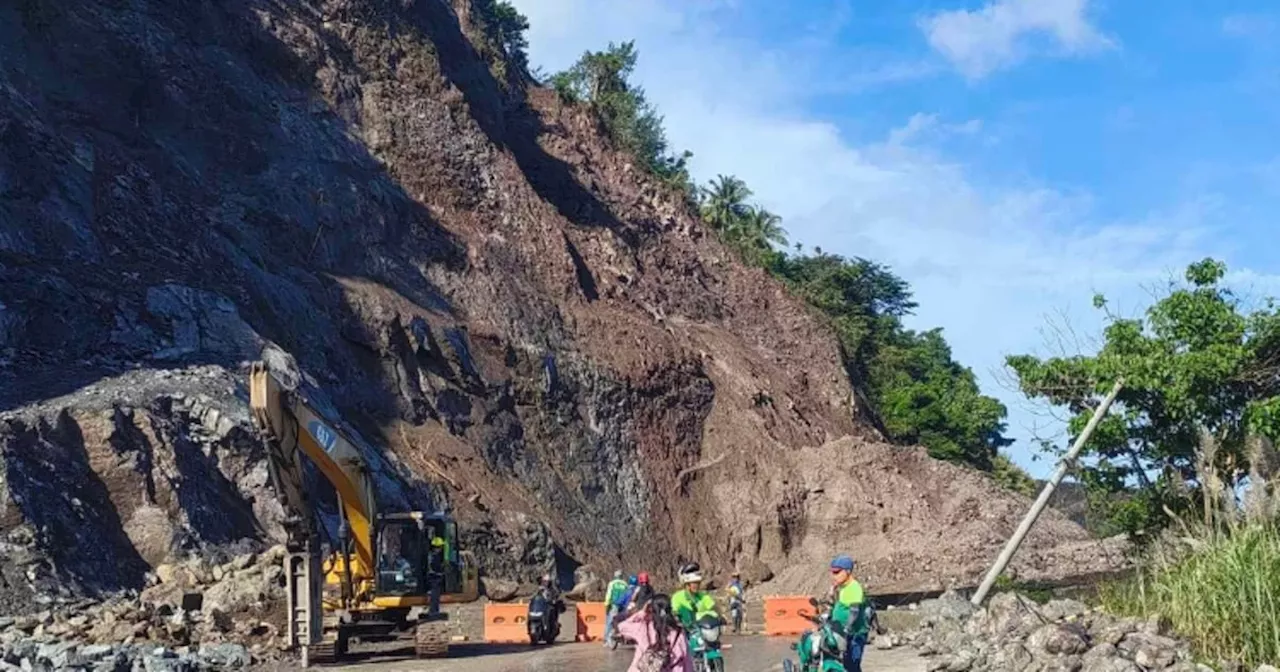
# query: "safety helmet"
{"type": "Point", "coordinates": [736, 573]}
{"type": "Point", "coordinates": [691, 573]}
{"type": "Point", "coordinates": [643, 578]}
{"type": "Point", "coordinates": [437, 542]}
{"type": "Point", "coordinates": [617, 573]}
{"type": "Point", "coordinates": [632, 579]}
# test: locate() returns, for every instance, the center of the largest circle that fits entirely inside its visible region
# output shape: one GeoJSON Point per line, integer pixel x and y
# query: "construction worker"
{"type": "Point", "coordinates": [435, 572]}
{"type": "Point", "coordinates": [849, 611]}
{"type": "Point", "coordinates": [613, 596]}
{"type": "Point", "coordinates": [689, 603]}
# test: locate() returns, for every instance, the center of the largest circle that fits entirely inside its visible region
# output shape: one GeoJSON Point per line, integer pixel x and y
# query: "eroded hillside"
{"type": "Point", "coordinates": [516, 319]}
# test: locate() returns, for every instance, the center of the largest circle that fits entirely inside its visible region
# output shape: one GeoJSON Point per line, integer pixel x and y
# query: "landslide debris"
{"type": "Point", "coordinates": [1012, 633]}
{"type": "Point", "coordinates": [513, 320]}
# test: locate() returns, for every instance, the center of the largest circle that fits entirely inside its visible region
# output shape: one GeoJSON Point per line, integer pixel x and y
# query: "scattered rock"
{"type": "Point", "coordinates": [1012, 634]}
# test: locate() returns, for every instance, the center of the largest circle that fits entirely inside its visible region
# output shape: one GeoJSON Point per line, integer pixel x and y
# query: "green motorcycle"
{"type": "Point", "coordinates": [704, 645]}
{"type": "Point", "coordinates": [821, 649]}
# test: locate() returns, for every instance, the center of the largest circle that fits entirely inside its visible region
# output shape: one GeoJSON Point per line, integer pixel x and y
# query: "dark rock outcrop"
{"type": "Point", "coordinates": [522, 325]}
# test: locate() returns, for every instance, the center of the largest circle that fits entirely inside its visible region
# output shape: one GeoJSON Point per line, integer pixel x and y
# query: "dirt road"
{"type": "Point", "coordinates": [746, 654]}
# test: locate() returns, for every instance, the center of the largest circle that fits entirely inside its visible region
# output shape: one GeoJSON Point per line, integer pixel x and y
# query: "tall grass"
{"type": "Point", "coordinates": [1223, 595]}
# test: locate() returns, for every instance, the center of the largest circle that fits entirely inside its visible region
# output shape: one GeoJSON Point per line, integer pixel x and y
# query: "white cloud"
{"type": "Point", "coordinates": [981, 41]}
{"type": "Point", "coordinates": [988, 261]}
{"type": "Point", "coordinates": [1251, 26]}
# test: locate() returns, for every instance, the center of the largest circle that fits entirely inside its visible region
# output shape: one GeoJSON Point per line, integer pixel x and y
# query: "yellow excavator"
{"type": "Point", "coordinates": [386, 574]}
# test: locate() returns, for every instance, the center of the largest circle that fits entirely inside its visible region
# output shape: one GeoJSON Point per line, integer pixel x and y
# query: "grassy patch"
{"type": "Point", "coordinates": [1223, 595]}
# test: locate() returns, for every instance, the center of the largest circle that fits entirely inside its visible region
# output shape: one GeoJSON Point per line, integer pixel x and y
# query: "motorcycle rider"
{"type": "Point", "coordinates": [737, 600]}
{"type": "Point", "coordinates": [613, 594]}
{"type": "Point", "coordinates": [623, 601]}
{"type": "Point", "coordinates": [642, 594]}
{"type": "Point", "coordinates": [690, 603]}
{"type": "Point", "coordinates": [849, 610]}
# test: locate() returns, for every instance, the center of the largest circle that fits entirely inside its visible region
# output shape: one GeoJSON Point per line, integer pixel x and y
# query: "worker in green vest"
{"type": "Point", "coordinates": [849, 611]}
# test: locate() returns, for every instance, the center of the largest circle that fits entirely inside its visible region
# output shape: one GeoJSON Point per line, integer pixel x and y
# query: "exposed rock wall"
{"type": "Point", "coordinates": [518, 321]}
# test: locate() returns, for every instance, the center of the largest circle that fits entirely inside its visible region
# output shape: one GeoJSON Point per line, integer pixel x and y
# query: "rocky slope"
{"type": "Point", "coordinates": [520, 324]}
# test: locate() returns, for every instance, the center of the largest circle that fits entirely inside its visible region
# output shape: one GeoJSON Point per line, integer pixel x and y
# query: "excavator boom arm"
{"type": "Point", "coordinates": [294, 430]}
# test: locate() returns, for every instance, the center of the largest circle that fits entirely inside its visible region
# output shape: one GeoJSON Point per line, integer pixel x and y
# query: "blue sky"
{"type": "Point", "coordinates": [1008, 158]}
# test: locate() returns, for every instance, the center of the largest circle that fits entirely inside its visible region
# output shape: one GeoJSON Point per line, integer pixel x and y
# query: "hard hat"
{"type": "Point", "coordinates": [643, 577]}
{"type": "Point", "coordinates": [736, 573]}
{"type": "Point", "coordinates": [617, 573]}
{"type": "Point", "coordinates": [437, 541]}
{"type": "Point", "coordinates": [632, 579]}
{"type": "Point", "coordinates": [691, 573]}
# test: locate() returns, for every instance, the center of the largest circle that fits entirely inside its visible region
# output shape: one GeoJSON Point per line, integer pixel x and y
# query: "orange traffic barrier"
{"type": "Point", "coordinates": [506, 622]}
{"type": "Point", "coordinates": [782, 615]}
{"type": "Point", "coordinates": [591, 621]}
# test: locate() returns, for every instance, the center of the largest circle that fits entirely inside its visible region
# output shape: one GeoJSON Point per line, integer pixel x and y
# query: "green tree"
{"type": "Point", "coordinates": [764, 228]}
{"type": "Point", "coordinates": [504, 28]}
{"type": "Point", "coordinates": [1200, 372]}
{"type": "Point", "coordinates": [925, 397]}
{"type": "Point", "coordinates": [601, 79]}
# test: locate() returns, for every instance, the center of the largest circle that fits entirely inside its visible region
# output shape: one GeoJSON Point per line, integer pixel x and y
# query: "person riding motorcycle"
{"type": "Point", "coordinates": [849, 609]}
{"type": "Point", "coordinates": [642, 593]}
{"type": "Point", "coordinates": [613, 596]}
{"type": "Point", "coordinates": [690, 603]}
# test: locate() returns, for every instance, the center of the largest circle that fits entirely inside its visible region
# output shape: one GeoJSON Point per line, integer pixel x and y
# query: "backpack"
{"type": "Point", "coordinates": [657, 658]}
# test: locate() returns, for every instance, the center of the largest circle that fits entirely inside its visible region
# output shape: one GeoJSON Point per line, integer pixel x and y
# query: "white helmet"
{"type": "Point", "coordinates": [691, 573]}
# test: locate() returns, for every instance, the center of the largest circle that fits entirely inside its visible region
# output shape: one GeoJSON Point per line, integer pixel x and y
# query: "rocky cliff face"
{"type": "Point", "coordinates": [518, 321]}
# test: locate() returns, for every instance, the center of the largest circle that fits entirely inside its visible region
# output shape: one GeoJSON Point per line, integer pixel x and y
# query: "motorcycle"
{"type": "Point", "coordinates": [616, 637]}
{"type": "Point", "coordinates": [821, 649]}
{"type": "Point", "coordinates": [543, 620]}
{"type": "Point", "coordinates": [704, 645]}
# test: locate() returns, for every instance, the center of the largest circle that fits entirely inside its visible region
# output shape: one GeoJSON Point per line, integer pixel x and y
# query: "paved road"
{"type": "Point", "coordinates": [746, 654]}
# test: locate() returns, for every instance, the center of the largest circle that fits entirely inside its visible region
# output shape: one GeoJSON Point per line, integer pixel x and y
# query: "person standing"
{"type": "Point", "coordinates": [737, 600]}
{"type": "Point", "coordinates": [848, 609]}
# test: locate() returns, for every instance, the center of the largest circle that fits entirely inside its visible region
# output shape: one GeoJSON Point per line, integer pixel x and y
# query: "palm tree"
{"type": "Point", "coordinates": [764, 227]}
{"type": "Point", "coordinates": [724, 202]}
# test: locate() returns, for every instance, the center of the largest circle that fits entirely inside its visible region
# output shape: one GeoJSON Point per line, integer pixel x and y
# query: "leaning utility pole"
{"type": "Point", "coordinates": [1042, 501]}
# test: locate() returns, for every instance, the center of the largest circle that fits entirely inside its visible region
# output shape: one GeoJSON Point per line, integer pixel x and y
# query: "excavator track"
{"type": "Point", "coordinates": [323, 653]}
{"type": "Point", "coordinates": [431, 639]}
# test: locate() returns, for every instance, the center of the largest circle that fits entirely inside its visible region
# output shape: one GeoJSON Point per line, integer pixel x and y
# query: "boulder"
{"type": "Point", "coordinates": [1149, 651]}
{"type": "Point", "coordinates": [1057, 639]}
{"type": "Point", "coordinates": [1062, 610]}
{"type": "Point", "coordinates": [499, 590]}
{"type": "Point", "coordinates": [225, 656]}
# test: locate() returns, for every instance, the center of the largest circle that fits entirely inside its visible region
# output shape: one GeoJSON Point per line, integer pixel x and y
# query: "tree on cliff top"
{"type": "Point", "coordinates": [601, 79]}
{"type": "Point", "coordinates": [1201, 372]}
{"type": "Point", "coordinates": [922, 395]}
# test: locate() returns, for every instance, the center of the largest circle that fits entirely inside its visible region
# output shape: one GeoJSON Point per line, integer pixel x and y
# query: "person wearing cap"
{"type": "Point", "coordinates": [613, 595]}
{"type": "Point", "coordinates": [848, 602]}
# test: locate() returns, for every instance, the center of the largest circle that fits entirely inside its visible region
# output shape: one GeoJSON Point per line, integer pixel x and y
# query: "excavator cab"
{"type": "Point", "coordinates": [403, 556]}
{"type": "Point", "coordinates": [413, 546]}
